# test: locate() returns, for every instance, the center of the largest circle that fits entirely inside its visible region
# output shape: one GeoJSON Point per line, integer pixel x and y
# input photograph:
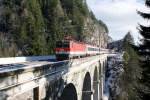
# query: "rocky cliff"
{"type": "Point", "coordinates": [32, 27]}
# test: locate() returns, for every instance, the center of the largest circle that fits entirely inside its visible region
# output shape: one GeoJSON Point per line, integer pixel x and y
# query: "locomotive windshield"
{"type": "Point", "coordinates": [61, 44]}
{"type": "Point", "coordinates": [66, 44]}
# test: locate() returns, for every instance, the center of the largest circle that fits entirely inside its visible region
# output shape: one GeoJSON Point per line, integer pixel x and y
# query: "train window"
{"type": "Point", "coordinates": [90, 49]}
{"type": "Point", "coordinates": [58, 44]}
{"type": "Point", "coordinates": [66, 44]}
{"type": "Point", "coordinates": [93, 49]}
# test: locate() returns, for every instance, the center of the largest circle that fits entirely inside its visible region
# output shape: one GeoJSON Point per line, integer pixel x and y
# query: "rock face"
{"type": "Point", "coordinates": [32, 27]}
{"type": "Point", "coordinates": [97, 33]}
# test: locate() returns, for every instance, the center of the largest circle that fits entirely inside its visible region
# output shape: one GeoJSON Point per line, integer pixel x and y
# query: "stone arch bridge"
{"type": "Point", "coordinates": [78, 79]}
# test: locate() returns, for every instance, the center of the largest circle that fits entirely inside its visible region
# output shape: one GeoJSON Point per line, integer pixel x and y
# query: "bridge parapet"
{"type": "Point", "coordinates": [13, 60]}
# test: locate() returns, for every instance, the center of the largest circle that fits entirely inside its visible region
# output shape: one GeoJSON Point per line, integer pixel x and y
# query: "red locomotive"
{"type": "Point", "coordinates": [68, 49]}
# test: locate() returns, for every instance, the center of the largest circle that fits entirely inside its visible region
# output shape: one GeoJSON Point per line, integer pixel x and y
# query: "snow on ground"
{"type": "Point", "coordinates": [105, 96]}
{"type": "Point", "coordinates": [115, 68]}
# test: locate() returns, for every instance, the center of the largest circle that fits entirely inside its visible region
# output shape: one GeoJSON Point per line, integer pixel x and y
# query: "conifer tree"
{"type": "Point", "coordinates": [129, 80]}
{"type": "Point", "coordinates": [129, 38]}
{"type": "Point", "coordinates": [144, 50]}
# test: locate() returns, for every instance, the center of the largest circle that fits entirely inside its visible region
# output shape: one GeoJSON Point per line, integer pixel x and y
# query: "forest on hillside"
{"type": "Point", "coordinates": [32, 27]}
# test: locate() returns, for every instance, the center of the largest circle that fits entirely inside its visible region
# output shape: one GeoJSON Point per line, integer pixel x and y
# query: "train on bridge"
{"type": "Point", "coordinates": [69, 49]}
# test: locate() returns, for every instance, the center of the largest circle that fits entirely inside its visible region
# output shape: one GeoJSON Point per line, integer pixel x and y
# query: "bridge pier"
{"type": "Point", "coordinates": [96, 94]}
{"type": "Point", "coordinates": [102, 87]}
{"type": "Point", "coordinates": [95, 84]}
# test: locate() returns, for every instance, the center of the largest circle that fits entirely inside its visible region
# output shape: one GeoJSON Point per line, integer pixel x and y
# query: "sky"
{"type": "Point", "coordinates": [120, 16]}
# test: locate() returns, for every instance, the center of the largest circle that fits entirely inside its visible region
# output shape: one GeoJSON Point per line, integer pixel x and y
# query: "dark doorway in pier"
{"type": "Point", "coordinates": [69, 93]}
{"type": "Point", "coordinates": [86, 91]}
{"type": "Point", "coordinates": [103, 67]}
{"type": "Point", "coordinates": [95, 85]}
{"type": "Point", "coordinates": [100, 70]}
{"type": "Point", "coordinates": [106, 67]}
{"type": "Point", "coordinates": [104, 72]}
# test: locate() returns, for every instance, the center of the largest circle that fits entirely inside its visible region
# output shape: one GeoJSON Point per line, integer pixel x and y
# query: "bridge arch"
{"type": "Point", "coordinates": [86, 89]}
{"type": "Point", "coordinates": [96, 85]}
{"type": "Point", "coordinates": [69, 93]}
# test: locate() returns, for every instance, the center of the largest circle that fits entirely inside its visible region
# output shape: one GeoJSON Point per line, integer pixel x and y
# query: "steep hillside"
{"type": "Point", "coordinates": [31, 27]}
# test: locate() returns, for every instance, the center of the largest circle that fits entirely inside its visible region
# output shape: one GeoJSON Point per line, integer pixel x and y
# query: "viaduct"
{"type": "Point", "coordinates": [77, 79]}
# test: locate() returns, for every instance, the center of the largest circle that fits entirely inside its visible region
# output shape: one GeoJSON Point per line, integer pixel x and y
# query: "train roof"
{"type": "Point", "coordinates": [89, 44]}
